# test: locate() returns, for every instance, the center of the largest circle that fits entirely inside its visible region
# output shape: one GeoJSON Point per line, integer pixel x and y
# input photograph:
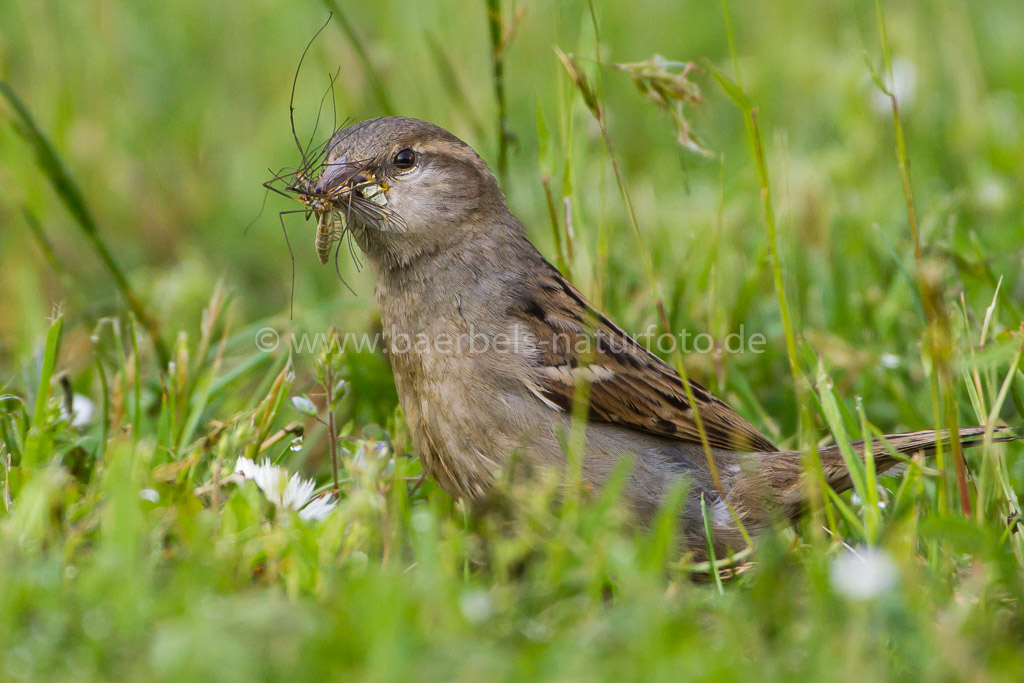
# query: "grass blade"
{"type": "Point", "coordinates": [66, 188]}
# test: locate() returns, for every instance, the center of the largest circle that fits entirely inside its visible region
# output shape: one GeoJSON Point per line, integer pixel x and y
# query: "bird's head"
{"type": "Point", "coordinates": [407, 187]}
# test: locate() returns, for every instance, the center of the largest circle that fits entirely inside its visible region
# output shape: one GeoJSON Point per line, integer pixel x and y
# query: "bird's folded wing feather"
{"type": "Point", "coordinates": [629, 385]}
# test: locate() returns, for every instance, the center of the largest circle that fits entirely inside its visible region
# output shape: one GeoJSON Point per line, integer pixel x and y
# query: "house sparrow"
{"type": "Point", "coordinates": [453, 266]}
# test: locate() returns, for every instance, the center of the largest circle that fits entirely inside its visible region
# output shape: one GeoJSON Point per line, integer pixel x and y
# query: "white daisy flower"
{"type": "Point", "coordinates": [81, 411]}
{"type": "Point", "coordinates": [318, 508]}
{"type": "Point", "coordinates": [290, 493]}
{"type": "Point", "coordinates": [890, 360]}
{"type": "Point", "coordinates": [863, 573]}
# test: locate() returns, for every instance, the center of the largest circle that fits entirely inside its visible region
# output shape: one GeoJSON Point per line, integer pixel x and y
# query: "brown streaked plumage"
{"type": "Point", "coordinates": [461, 268]}
{"type": "Point", "coordinates": [629, 385]}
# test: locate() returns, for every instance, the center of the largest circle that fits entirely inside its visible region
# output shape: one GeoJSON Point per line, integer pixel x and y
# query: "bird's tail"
{"type": "Point", "coordinates": [908, 444]}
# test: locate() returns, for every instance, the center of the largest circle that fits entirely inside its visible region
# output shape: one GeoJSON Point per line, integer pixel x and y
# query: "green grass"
{"type": "Point", "coordinates": [133, 141]}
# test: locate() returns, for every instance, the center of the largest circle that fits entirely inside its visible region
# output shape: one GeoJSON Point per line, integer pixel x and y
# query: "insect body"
{"type": "Point", "coordinates": [330, 224]}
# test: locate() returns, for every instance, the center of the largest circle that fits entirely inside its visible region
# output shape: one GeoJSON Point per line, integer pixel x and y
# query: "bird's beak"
{"type": "Point", "coordinates": [340, 178]}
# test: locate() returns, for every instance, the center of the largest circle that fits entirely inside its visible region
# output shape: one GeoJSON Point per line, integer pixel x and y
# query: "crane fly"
{"type": "Point", "coordinates": [330, 189]}
{"type": "Point", "coordinates": [325, 206]}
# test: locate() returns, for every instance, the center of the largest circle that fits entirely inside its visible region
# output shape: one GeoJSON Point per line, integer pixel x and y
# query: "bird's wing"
{"type": "Point", "coordinates": [629, 385]}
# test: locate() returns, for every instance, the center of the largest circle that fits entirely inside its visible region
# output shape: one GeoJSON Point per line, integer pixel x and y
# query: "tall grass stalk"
{"type": "Point", "coordinates": [938, 339]}
{"type": "Point", "coordinates": [712, 560]}
{"type": "Point", "coordinates": [734, 89]}
{"type": "Point", "coordinates": [807, 443]}
{"type": "Point", "coordinates": [499, 37]}
{"type": "Point", "coordinates": [546, 171]}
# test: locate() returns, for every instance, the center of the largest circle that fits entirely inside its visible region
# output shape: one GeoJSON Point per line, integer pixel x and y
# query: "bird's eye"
{"type": "Point", "coordinates": [405, 159]}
